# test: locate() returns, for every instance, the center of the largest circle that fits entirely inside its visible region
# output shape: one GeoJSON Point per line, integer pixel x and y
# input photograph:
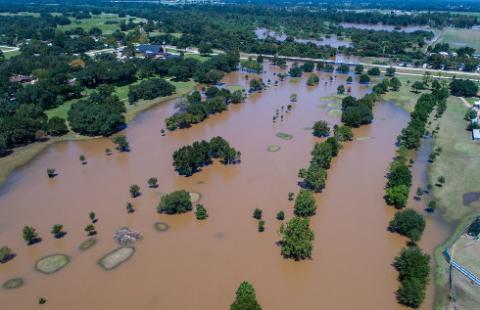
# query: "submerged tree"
{"type": "Point", "coordinates": [30, 234]}
{"type": "Point", "coordinates": [153, 182]}
{"type": "Point", "coordinates": [201, 212]}
{"type": "Point", "coordinates": [175, 202]}
{"type": "Point", "coordinates": [305, 204]}
{"type": "Point", "coordinates": [90, 229]}
{"type": "Point", "coordinates": [246, 298]}
{"type": "Point", "coordinates": [297, 239]}
{"type": "Point", "coordinates": [122, 143]}
{"type": "Point", "coordinates": [57, 231]}
{"type": "Point", "coordinates": [134, 190]}
{"type": "Point", "coordinates": [321, 129]}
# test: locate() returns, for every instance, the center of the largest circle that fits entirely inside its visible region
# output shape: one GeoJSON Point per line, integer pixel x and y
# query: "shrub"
{"type": "Point", "coordinates": [201, 212]}
{"type": "Point", "coordinates": [297, 238]}
{"type": "Point", "coordinates": [57, 126]}
{"type": "Point", "coordinates": [305, 204]}
{"type": "Point", "coordinates": [257, 214]}
{"type": "Point", "coordinates": [245, 298]}
{"type": "Point", "coordinates": [280, 216]}
{"type": "Point", "coordinates": [175, 202]}
{"type": "Point", "coordinates": [321, 129]}
{"type": "Point", "coordinates": [408, 223]}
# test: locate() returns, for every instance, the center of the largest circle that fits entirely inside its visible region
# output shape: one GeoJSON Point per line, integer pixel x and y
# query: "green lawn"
{"type": "Point", "coordinates": [457, 37]}
{"type": "Point", "coordinates": [404, 97]}
{"type": "Point", "coordinates": [458, 162]}
{"type": "Point", "coordinates": [99, 22]}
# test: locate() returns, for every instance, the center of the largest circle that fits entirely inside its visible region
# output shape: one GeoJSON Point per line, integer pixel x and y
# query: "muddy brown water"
{"type": "Point", "coordinates": [199, 265]}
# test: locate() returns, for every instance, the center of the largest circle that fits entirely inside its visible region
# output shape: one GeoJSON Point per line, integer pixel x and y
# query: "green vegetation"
{"type": "Point", "coordinates": [201, 212]}
{"type": "Point", "coordinates": [257, 214]}
{"type": "Point", "coordinates": [455, 143]}
{"type": "Point", "coordinates": [280, 215]}
{"type": "Point", "coordinates": [305, 204]}
{"type": "Point", "coordinates": [30, 235]}
{"type": "Point", "coordinates": [342, 133]}
{"type": "Point", "coordinates": [115, 258]}
{"type": "Point", "coordinates": [358, 112]}
{"type": "Point", "coordinates": [246, 298]}
{"type": "Point", "coordinates": [6, 254]}
{"type": "Point", "coordinates": [414, 269]}
{"type": "Point", "coordinates": [284, 136]}
{"type": "Point", "coordinates": [459, 37]}
{"type": "Point", "coordinates": [273, 148]}
{"type": "Point", "coordinates": [313, 79]}
{"type": "Point", "coordinates": [87, 244]}
{"type": "Point", "coordinates": [175, 202]}
{"type": "Point", "coordinates": [150, 89]}
{"type": "Point", "coordinates": [188, 159]}
{"type": "Point", "coordinates": [408, 223]}
{"type": "Point", "coordinates": [399, 182]}
{"type": "Point", "coordinates": [121, 143]}
{"type": "Point", "coordinates": [57, 231]}
{"type": "Point", "coordinates": [134, 190]}
{"type": "Point", "coordinates": [161, 227]}
{"type": "Point", "coordinates": [465, 88]}
{"type": "Point", "coordinates": [13, 283]}
{"type": "Point", "coordinates": [297, 238]}
{"type": "Point", "coordinates": [321, 129]}
{"type": "Point", "coordinates": [375, 71]}
{"type": "Point", "coordinates": [52, 263]}
{"type": "Point", "coordinates": [261, 226]}
{"type": "Point", "coordinates": [152, 182]}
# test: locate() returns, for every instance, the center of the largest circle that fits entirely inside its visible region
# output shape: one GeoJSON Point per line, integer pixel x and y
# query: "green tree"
{"type": "Point", "coordinates": [343, 133]}
{"type": "Point", "coordinates": [90, 229]}
{"type": "Point", "coordinates": [314, 177]}
{"type": "Point", "coordinates": [321, 129]}
{"type": "Point", "coordinates": [153, 182]}
{"type": "Point", "coordinates": [134, 190]}
{"type": "Point", "coordinates": [411, 293]}
{"type": "Point", "coordinates": [92, 217]}
{"type": "Point", "coordinates": [305, 204]}
{"type": "Point", "coordinates": [375, 71]}
{"type": "Point", "coordinates": [408, 223]}
{"type": "Point", "coordinates": [280, 215]}
{"type": "Point", "coordinates": [30, 234]}
{"type": "Point", "coordinates": [341, 90]}
{"type": "Point", "coordinates": [397, 196]}
{"type": "Point", "coordinates": [6, 254]}
{"type": "Point", "coordinates": [313, 79]}
{"type": "Point", "coordinates": [122, 143]}
{"type": "Point", "coordinates": [359, 69]}
{"type": "Point", "coordinates": [201, 212]}
{"type": "Point", "coordinates": [390, 72]}
{"type": "Point", "coordinates": [129, 207]}
{"type": "Point", "coordinates": [297, 238]}
{"type": "Point", "coordinates": [395, 84]}
{"type": "Point", "coordinates": [57, 231]}
{"type": "Point", "coordinates": [175, 202]}
{"type": "Point", "coordinates": [364, 79]}
{"type": "Point", "coordinates": [261, 226]}
{"type": "Point", "coordinates": [246, 298]}
{"type": "Point", "coordinates": [57, 126]}
{"type": "Point", "coordinates": [257, 214]}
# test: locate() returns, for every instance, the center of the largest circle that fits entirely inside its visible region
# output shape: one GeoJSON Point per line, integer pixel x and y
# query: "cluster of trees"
{"type": "Point", "coordinates": [358, 112]}
{"type": "Point", "coordinates": [252, 66]}
{"type": "Point", "coordinates": [461, 58]}
{"type": "Point", "coordinates": [193, 110]}
{"type": "Point", "coordinates": [467, 88]}
{"type": "Point", "coordinates": [314, 177]}
{"type": "Point", "coordinates": [188, 159]}
{"type": "Point", "coordinates": [412, 135]}
{"type": "Point", "coordinates": [175, 202]}
{"type": "Point", "coordinates": [305, 204]}
{"type": "Point", "coordinates": [413, 267]}
{"type": "Point", "coordinates": [399, 182]}
{"type": "Point", "coordinates": [101, 114]}
{"type": "Point", "coordinates": [408, 223]}
{"type": "Point", "coordinates": [297, 238]}
{"type": "Point", "coordinates": [150, 89]}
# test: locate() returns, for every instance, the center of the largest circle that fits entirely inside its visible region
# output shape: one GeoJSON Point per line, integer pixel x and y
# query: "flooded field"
{"type": "Point", "coordinates": [333, 41]}
{"type": "Point", "coordinates": [380, 27]}
{"type": "Point", "coordinates": [199, 265]}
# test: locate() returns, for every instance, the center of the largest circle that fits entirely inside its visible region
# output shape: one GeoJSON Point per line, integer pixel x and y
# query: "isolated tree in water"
{"type": "Point", "coordinates": [246, 298]}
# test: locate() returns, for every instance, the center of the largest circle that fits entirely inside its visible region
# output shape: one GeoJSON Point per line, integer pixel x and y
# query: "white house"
{"type": "Point", "coordinates": [476, 134]}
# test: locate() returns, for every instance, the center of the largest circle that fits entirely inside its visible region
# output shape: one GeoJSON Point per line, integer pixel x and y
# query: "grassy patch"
{"type": "Point", "coordinates": [13, 283]}
{"type": "Point", "coordinates": [284, 136]}
{"type": "Point", "coordinates": [87, 244]}
{"type": "Point", "coordinates": [404, 97]}
{"type": "Point", "coordinates": [234, 87]}
{"type": "Point", "coordinates": [99, 21]}
{"type": "Point", "coordinates": [161, 226]}
{"type": "Point", "coordinates": [52, 263]}
{"type": "Point", "coordinates": [458, 37]}
{"type": "Point", "coordinates": [195, 197]}
{"type": "Point", "coordinates": [273, 148]}
{"type": "Point", "coordinates": [335, 113]}
{"type": "Point", "coordinates": [115, 258]}
{"type": "Point", "coordinates": [458, 162]}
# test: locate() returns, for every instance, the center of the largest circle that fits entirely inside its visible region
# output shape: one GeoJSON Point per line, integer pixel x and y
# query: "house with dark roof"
{"type": "Point", "coordinates": [151, 50]}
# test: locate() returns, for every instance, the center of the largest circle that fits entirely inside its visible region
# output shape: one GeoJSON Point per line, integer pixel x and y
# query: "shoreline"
{"type": "Point", "coordinates": [23, 155]}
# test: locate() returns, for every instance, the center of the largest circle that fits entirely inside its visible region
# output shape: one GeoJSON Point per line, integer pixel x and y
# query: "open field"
{"type": "Point", "coordinates": [405, 98]}
{"type": "Point", "coordinates": [457, 37]}
{"type": "Point", "coordinates": [99, 21]}
{"type": "Point", "coordinates": [458, 163]}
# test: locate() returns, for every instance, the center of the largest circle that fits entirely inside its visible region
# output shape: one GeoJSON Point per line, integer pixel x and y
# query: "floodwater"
{"type": "Point", "coordinates": [199, 265]}
{"type": "Point", "coordinates": [382, 27]}
{"type": "Point", "coordinates": [333, 41]}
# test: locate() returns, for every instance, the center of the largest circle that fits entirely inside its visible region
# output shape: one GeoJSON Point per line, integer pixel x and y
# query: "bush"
{"type": "Point", "coordinates": [297, 238]}
{"type": "Point", "coordinates": [245, 298]}
{"type": "Point", "coordinates": [57, 126]}
{"type": "Point", "coordinates": [5, 254]}
{"type": "Point", "coordinates": [150, 89]}
{"type": "Point", "coordinates": [397, 196]}
{"type": "Point", "coordinates": [280, 216]}
{"type": "Point", "coordinates": [175, 202]}
{"type": "Point", "coordinates": [313, 79]}
{"type": "Point", "coordinates": [257, 214]}
{"type": "Point", "coordinates": [408, 223]}
{"type": "Point", "coordinates": [305, 204]}
{"type": "Point", "coordinates": [343, 133]}
{"type": "Point", "coordinates": [364, 79]}
{"type": "Point", "coordinates": [201, 212]}
{"type": "Point", "coordinates": [373, 71]}
{"type": "Point", "coordinates": [467, 88]}
{"type": "Point", "coordinates": [321, 129]}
